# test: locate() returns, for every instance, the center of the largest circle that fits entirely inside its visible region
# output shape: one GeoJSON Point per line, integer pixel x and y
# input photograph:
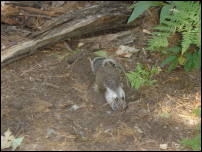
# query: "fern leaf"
{"type": "Point", "coordinates": [186, 41]}
{"type": "Point", "coordinates": [140, 8]}
{"type": "Point", "coordinates": [168, 60]}
{"type": "Point", "coordinates": [165, 11]}
{"type": "Point", "coordinates": [173, 65]}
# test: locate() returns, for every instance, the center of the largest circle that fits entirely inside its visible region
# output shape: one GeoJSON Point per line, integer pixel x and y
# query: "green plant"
{"type": "Point", "coordinates": [183, 18]}
{"type": "Point", "coordinates": [197, 111]}
{"type": "Point", "coordinates": [189, 60]}
{"type": "Point", "coordinates": [140, 7]}
{"type": "Point", "coordinates": [195, 142]}
{"type": "Point", "coordinates": [141, 76]}
{"type": "Point", "coordinates": [101, 53]}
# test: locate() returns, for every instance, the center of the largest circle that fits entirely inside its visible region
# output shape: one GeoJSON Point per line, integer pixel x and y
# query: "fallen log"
{"type": "Point", "coordinates": [96, 18]}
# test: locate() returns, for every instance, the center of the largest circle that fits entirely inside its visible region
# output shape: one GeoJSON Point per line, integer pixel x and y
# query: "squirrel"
{"type": "Point", "coordinates": [108, 79]}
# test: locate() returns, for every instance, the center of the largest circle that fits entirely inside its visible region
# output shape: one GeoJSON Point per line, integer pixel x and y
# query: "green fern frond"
{"type": "Point", "coordinates": [186, 40]}
{"type": "Point", "coordinates": [157, 42]}
{"type": "Point", "coordinates": [164, 28]}
{"type": "Point", "coordinates": [142, 76]}
{"type": "Point", "coordinates": [185, 18]}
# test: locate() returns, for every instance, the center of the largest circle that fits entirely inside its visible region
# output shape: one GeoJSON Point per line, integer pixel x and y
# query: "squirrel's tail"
{"type": "Point", "coordinates": [102, 61]}
{"type": "Point", "coordinates": [113, 62]}
{"type": "Point", "coordinates": [96, 63]}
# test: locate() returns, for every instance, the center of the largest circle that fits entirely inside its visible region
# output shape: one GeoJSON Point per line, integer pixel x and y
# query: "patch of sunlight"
{"type": "Point", "coordinates": [189, 119]}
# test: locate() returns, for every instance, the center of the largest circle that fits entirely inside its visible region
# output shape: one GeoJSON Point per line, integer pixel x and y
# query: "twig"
{"type": "Point", "coordinates": [36, 10]}
{"type": "Point", "coordinates": [67, 46]}
{"type": "Point", "coordinates": [52, 85]}
{"type": "Point", "coordinates": [35, 15]}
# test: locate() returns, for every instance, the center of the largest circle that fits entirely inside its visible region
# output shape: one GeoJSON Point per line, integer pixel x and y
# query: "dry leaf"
{"type": "Point", "coordinates": [126, 51]}
{"type": "Point", "coordinates": [7, 139]}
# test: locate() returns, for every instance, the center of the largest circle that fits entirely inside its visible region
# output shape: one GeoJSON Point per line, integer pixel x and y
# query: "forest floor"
{"type": "Point", "coordinates": [52, 104]}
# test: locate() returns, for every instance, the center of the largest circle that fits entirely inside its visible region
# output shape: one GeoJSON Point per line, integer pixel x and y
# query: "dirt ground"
{"type": "Point", "coordinates": [39, 93]}
{"type": "Point", "coordinates": [53, 105]}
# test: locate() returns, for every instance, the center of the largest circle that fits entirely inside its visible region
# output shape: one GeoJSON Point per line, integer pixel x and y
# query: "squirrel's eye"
{"type": "Point", "coordinates": [122, 98]}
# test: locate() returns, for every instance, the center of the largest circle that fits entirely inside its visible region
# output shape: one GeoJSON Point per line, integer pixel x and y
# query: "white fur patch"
{"type": "Point", "coordinates": [121, 92]}
{"type": "Point", "coordinates": [110, 95]}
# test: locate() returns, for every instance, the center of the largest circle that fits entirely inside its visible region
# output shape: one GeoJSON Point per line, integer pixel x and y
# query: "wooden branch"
{"type": "Point", "coordinates": [37, 11]}
{"type": "Point", "coordinates": [88, 20]}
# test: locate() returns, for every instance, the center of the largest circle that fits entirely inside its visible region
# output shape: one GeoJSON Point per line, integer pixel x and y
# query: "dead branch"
{"type": "Point", "coordinates": [96, 18]}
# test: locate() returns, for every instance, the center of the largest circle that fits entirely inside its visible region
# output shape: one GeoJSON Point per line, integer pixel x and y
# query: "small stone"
{"type": "Point", "coordinates": [107, 130]}
{"type": "Point", "coordinates": [108, 112]}
{"type": "Point", "coordinates": [74, 107]}
{"type": "Point", "coordinates": [164, 146]}
{"type": "Point", "coordinates": [50, 132]}
{"type": "Point", "coordinates": [80, 44]}
{"type": "Point", "coordinates": [138, 129]}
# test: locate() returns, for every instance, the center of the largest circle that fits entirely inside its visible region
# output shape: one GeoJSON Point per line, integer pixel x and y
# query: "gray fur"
{"type": "Point", "coordinates": [107, 78]}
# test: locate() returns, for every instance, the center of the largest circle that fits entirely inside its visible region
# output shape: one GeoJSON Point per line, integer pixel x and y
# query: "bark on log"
{"type": "Point", "coordinates": [108, 41]}
{"type": "Point", "coordinates": [109, 15]}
